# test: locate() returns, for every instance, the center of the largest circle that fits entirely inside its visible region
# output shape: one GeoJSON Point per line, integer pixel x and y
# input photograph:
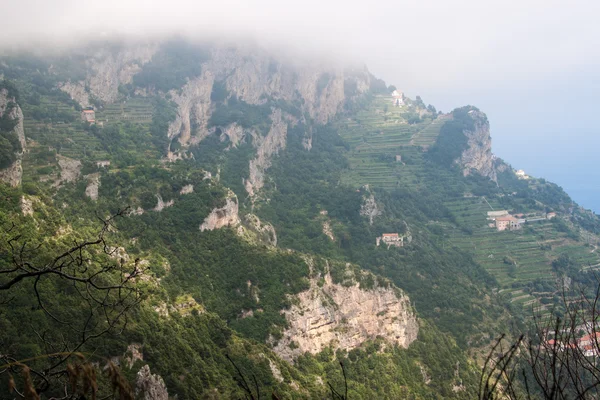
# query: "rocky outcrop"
{"type": "Point", "coordinates": [187, 189]}
{"type": "Point", "coordinates": [70, 169]}
{"type": "Point", "coordinates": [369, 208]}
{"type": "Point", "coordinates": [150, 386]}
{"type": "Point", "coordinates": [327, 231]}
{"type": "Point", "coordinates": [13, 174]}
{"type": "Point", "coordinates": [223, 216]}
{"type": "Point", "coordinates": [266, 147]}
{"type": "Point", "coordinates": [107, 68]}
{"type": "Point", "coordinates": [345, 316]}
{"type": "Point", "coordinates": [161, 204]}
{"type": "Point", "coordinates": [254, 76]}
{"type": "Point", "coordinates": [133, 354]}
{"type": "Point", "coordinates": [26, 206]}
{"type": "Point", "coordinates": [255, 230]}
{"type": "Point", "coordinates": [234, 133]}
{"type": "Point", "coordinates": [93, 184]}
{"type": "Point", "coordinates": [10, 109]}
{"type": "Point", "coordinates": [478, 156]}
{"type": "Point", "coordinates": [193, 107]}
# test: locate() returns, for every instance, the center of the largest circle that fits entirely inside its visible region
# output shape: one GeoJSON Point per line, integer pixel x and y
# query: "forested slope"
{"type": "Point", "coordinates": [221, 188]}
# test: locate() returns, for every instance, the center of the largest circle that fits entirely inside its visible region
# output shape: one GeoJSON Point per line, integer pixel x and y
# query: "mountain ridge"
{"type": "Point", "coordinates": [239, 170]}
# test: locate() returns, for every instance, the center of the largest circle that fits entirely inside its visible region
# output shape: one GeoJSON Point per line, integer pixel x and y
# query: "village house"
{"type": "Point", "coordinates": [550, 215]}
{"type": "Point", "coordinates": [587, 344]}
{"type": "Point", "coordinates": [88, 115]}
{"type": "Point", "coordinates": [397, 98]}
{"type": "Point", "coordinates": [521, 174]}
{"type": "Point", "coordinates": [508, 222]}
{"type": "Point", "coordinates": [390, 239]}
{"type": "Point", "coordinates": [398, 158]}
{"type": "Point", "coordinates": [102, 164]}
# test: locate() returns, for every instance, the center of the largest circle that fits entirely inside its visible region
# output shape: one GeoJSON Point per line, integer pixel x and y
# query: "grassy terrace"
{"type": "Point", "coordinates": [137, 109]}
{"type": "Point", "coordinates": [379, 133]}
{"type": "Point", "coordinates": [532, 249]}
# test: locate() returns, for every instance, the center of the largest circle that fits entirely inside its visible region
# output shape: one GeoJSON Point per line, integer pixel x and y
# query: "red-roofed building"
{"type": "Point", "coordinates": [508, 222]}
{"type": "Point", "coordinates": [88, 115]}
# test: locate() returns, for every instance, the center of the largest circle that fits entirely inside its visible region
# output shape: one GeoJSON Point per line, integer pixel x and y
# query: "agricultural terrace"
{"type": "Point", "coordinates": [380, 132]}
{"type": "Point", "coordinates": [515, 258]}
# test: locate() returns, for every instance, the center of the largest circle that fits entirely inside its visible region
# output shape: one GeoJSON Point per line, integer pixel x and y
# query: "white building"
{"type": "Point", "coordinates": [397, 98]}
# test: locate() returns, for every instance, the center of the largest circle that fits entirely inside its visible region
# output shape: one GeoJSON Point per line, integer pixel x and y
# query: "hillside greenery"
{"type": "Point", "coordinates": [211, 301]}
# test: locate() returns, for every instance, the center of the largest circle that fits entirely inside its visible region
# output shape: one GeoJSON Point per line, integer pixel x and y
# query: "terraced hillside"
{"type": "Point", "coordinates": [380, 133]}
{"type": "Point", "coordinates": [137, 109]}
{"type": "Point", "coordinates": [520, 260]}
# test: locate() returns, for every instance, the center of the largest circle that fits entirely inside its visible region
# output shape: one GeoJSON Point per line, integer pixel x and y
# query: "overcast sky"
{"type": "Point", "coordinates": [532, 66]}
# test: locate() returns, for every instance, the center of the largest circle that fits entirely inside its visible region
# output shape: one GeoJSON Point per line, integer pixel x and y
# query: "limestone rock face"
{"type": "Point", "coordinates": [93, 184]}
{"type": "Point", "coordinates": [344, 317]}
{"type": "Point", "coordinates": [266, 146]}
{"type": "Point", "coordinates": [478, 157]}
{"type": "Point", "coordinates": [27, 206]}
{"type": "Point", "coordinates": [70, 169]}
{"type": "Point", "coordinates": [133, 354]}
{"type": "Point", "coordinates": [13, 173]}
{"type": "Point", "coordinates": [193, 106]}
{"type": "Point", "coordinates": [327, 231]}
{"type": "Point", "coordinates": [253, 76]}
{"type": "Point", "coordinates": [150, 386]}
{"type": "Point", "coordinates": [234, 133]}
{"type": "Point", "coordinates": [254, 228]}
{"type": "Point", "coordinates": [370, 209]}
{"type": "Point", "coordinates": [161, 204]}
{"type": "Point", "coordinates": [107, 68]}
{"type": "Point", "coordinates": [224, 216]}
{"type": "Point", "coordinates": [187, 189]}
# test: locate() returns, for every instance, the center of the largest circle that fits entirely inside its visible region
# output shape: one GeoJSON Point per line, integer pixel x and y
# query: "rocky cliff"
{"type": "Point", "coordinates": [266, 147]}
{"type": "Point", "coordinates": [107, 68]}
{"type": "Point", "coordinates": [478, 156]}
{"type": "Point", "coordinates": [248, 74]}
{"type": "Point", "coordinates": [369, 208]}
{"type": "Point", "coordinates": [149, 386]}
{"type": "Point", "coordinates": [11, 110]}
{"type": "Point", "coordinates": [344, 316]}
{"type": "Point", "coordinates": [223, 216]}
{"type": "Point", "coordinates": [254, 230]}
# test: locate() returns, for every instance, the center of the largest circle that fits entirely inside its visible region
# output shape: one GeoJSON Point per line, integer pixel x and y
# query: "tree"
{"type": "Point", "coordinates": [84, 290]}
{"type": "Point", "coordinates": [558, 359]}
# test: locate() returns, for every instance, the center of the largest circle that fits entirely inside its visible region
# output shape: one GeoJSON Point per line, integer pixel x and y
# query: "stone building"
{"type": "Point", "coordinates": [390, 239]}
{"type": "Point", "coordinates": [88, 115]}
{"type": "Point", "coordinates": [508, 222]}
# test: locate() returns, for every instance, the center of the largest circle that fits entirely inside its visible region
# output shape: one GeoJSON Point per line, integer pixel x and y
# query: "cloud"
{"type": "Point", "coordinates": [426, 41]}
{"type": "Point", "coordinates": [507, 57]}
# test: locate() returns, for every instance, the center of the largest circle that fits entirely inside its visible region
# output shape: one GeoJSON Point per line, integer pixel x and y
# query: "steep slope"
{"type": "Point", "coordinates": [12, 135]}
{"type": "Point", "coordinates": [257, 192]}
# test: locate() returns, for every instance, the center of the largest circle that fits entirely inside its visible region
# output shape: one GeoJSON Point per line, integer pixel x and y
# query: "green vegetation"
{"type": "Point", "coordinates": [451, 141]}
{"type": "Point", "coordinates": [207, 297]}
{"type": "Point", "coordinates": [9, 141]}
